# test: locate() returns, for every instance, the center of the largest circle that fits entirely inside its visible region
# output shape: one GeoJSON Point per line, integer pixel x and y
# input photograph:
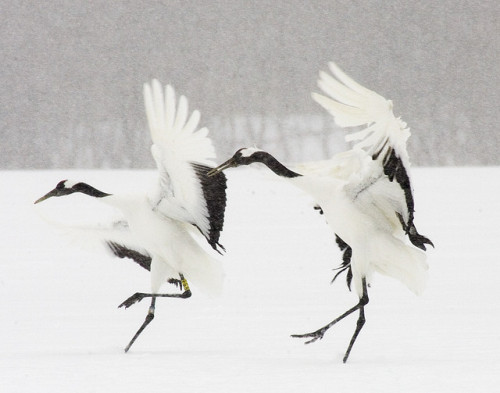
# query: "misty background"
{"type": "Point", "coordinates": [72, 74]}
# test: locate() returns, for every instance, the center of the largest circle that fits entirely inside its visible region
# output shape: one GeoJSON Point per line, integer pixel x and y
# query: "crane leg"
{"type": "Point", "coordinates": [149, 317]}
{"type": "Point", "coordinates": [318, 334]}
{"type": "Point", "coordinates": [359, 326]}
{"type": "Point", "coordinates": [138, 296]}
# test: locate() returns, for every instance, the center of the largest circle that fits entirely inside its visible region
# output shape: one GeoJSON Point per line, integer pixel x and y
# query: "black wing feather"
{"type": "Point", "coordinates": [141, 259]}
{"type": "Point", "coordinates": [125, 252]}
{"type": "Point", "coordinates": [394, 169]}
{"type": "Point", "coordinates": [214, 192]}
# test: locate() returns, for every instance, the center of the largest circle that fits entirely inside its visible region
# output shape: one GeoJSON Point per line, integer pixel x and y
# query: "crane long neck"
{"type": "Point", "coordinates": [84, 188]}
{"type": "Point", "coordinates": [274, 165]}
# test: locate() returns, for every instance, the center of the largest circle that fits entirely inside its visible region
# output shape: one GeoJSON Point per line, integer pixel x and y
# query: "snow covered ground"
{"type": "Point", "coordinates": [61, 330]}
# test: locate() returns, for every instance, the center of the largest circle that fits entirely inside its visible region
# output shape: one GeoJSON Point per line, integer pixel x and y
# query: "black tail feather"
{"type": "Point", "coordinates": [346, 261]}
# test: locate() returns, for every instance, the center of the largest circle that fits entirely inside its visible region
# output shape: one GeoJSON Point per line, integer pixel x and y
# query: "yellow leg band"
{"type": "Point", "coordinates": [185, 284]}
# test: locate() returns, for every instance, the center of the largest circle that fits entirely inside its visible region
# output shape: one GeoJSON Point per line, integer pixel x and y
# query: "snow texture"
{"type": "Point", "coordinates": [62, 331]}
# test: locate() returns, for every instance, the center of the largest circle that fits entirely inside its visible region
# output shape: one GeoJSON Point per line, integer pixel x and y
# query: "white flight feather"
{"type": "Point", "coordinates": [353, 105]}
{"type": "Point", "coordinates": [90, 236]}
{"type": "Point", "coordinates": [176, 145]}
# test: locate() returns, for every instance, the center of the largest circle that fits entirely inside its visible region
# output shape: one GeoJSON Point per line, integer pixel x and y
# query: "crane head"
{"type": "Point", "coordinates": [67, 187]}
{"type": "Point", "coordinates": [244, 156]}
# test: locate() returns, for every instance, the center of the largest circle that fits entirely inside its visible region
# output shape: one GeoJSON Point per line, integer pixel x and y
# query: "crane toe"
{"type": "Point", "coordinates": [135, 298]}
{"type": "Point", "coordinates": [317, 335]}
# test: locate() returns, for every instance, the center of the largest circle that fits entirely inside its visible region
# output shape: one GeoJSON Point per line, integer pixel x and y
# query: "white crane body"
{"type": "Point", "coordinates": [159, 235]}
{"type": "Point", "coordinates": [371, 228]}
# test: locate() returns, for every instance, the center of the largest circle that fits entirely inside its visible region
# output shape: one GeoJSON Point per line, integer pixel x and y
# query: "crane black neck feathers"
{"type": "Point", "coordinates": [84, 188]}
{"type": "Point", "coordinates": [272, 163]}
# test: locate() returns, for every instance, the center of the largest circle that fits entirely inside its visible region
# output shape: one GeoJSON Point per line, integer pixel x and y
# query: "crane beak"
{"type": "Point", "coordinates": [50, 194]}
{"type": "Point", "coordinates": [228, 164]}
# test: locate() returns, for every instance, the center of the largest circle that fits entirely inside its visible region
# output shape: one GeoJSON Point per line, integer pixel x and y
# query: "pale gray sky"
{"type": "Point", "coordinates": [72, 74]}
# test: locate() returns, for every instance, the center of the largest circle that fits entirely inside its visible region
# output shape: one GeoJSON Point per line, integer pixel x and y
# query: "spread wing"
{"type": "Point", "coordinates": [183, 154]}
{"type": "Point", "coordinates": [383, 138]}
{"type": "Point", "coordinates": [353, 105]}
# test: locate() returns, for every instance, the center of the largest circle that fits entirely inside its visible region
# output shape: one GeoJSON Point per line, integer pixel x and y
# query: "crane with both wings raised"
{"type": "Point", "coordinates": [365, 193]}
{"type": "Point", "coordinates": [160, 228]}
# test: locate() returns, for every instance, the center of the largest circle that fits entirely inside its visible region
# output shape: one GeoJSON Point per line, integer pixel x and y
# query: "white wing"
{"type": "Point", "coordinates": [342, 166]}
{"type": "Point", "coordinates": [183, 155]}
{"type": "Point", "coordinates": [353, 105]}
{"type": "Point", "coordinates": [383, 140]}
{"type": "Point", "coordinates": [110, 231]}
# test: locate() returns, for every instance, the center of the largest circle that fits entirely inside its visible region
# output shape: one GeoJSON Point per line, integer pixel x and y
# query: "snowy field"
{"type": "Point", "coordinates": [61, 330]}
